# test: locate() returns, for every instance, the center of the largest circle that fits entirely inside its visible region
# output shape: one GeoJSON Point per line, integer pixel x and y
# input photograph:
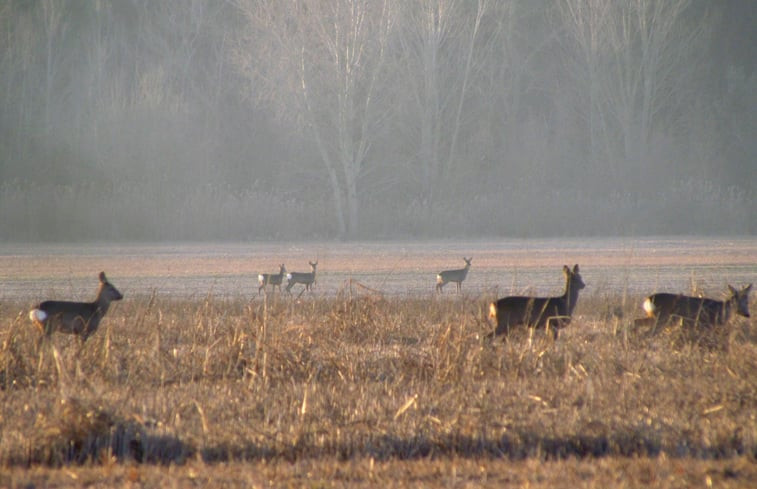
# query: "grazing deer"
{"type": "Point", "coordinates": [79, 318]}
{"type": "Point", "coordinates": [305, 278]}
{"type": "Point", "coordinates": [272, 279]}
{"type": "Point", "coordinates": [694, 311]}
{"type": "Point", "coordinates": [457, 276]}
{"type": "Point", "coordinates": [537, 312]}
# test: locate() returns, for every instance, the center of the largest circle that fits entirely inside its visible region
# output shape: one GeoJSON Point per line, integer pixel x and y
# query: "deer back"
{"type": "Point", "coordinates": [665, 306]}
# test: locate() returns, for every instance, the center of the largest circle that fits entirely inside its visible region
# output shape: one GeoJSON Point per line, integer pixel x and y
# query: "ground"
{"type": "Point", "coordinates": [373, 379]}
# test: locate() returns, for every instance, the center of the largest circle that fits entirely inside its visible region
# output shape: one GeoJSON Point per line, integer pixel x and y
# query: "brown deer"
{"type": "Point", "coordinates": [662, 308]}
{"type": "Point", "coordinates": [305, 278]}
{"type": "Point", "coordinates": [79, 318]}
{"type": "Point", "coordinates": [457, 276]}
{"type": "Point", "coordinates": [537, 312]}
{"type": "Point", "coordinates": [272, 279]}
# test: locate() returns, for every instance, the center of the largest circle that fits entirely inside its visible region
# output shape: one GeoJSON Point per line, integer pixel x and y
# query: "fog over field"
{"type": "Point", "coordinates": [265, 120]}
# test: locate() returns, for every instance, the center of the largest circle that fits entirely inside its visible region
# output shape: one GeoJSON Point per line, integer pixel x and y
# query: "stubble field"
{"type": "Point", "coordinates": [373, 380]}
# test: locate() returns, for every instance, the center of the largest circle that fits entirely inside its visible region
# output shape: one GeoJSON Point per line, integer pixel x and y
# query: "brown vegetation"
{"type": "Point", "coordinates": [363, 390]}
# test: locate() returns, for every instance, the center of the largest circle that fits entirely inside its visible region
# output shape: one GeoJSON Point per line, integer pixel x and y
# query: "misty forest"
{"type": "Point", "coordinates": [376, 119]}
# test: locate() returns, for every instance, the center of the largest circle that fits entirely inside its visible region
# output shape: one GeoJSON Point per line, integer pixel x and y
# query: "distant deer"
{"type": "Point", "coordinates": [694, 311]}
{"type": "Point", "coordinates": [305, 278]}
{"type": "Point", "coordinates": [457, 276]}
{"type": "Point", "coordinates": [79, 318]}
{"type": "Point", "coordinates": [538, 312]}
{"type": "Point", "coordinates": [272, 279]}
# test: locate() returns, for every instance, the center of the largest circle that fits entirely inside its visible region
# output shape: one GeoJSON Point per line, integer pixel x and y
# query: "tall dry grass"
{"type": "Point", "coordinates": [362, 377]}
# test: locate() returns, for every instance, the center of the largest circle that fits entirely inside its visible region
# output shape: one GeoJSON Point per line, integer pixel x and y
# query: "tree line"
{"type": "Point", "coordinates": [266, 119]}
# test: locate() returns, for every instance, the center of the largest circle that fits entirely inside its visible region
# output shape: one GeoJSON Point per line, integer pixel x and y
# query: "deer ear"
{"type": "Point", "coordinates": [733, 291]}
{"type": "Point", "coordinates": [566, 269]}
{"type": "Point", "coordinates": [575, 268]}
{"type": "Point", "coordinates": [748, 288]}
{"type": "Point", "coordinates": [102, 277]}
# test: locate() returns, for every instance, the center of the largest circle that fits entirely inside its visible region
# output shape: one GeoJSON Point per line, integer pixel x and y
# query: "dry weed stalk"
{"type": "Point", "coordinates": [362, 375]}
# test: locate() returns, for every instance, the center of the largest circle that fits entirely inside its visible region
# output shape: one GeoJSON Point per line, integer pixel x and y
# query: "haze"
{"type": "Point", "coordinates": [376, 119]}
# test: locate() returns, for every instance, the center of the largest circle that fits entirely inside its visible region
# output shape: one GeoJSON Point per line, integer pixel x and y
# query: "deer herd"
{"type": "Point", "coordinates": [549, 313]}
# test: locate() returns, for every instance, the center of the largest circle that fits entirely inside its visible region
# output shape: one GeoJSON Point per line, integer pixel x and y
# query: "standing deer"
{"type": "Point", "coordinates": [457, 276]}
{"type": "Point", "coordinates": [79, 318]}
{"type": "Point", "coordinates": [272, 279]}
{"type": "Point", "coordinates": [663, 307]}
{"type": "Point", "coordinates": [305, 278]}
{"type": "Point", "coordinates": [538, 312]}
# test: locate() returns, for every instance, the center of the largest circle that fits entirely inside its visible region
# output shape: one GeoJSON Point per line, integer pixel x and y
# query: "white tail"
{"type": "Point", "coordinates": [272, 279]}
{"type": "Point", "coordinates": [457, 276]}
{"type": "Point", "coordinates": [538, 312]}
{"type": "Point", "coordinates": [305, 278]}
{"type": "Point", "coordinates": [694, 311]}
{"type": "Point", "coordinates": [649, 307]}
{"type": "Point", "coordinates": [79, 318]}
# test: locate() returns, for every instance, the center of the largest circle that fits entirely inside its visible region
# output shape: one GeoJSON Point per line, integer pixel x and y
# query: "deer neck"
{"type": "Point", "coordinates": [101, 304]}
{"type": "Point", "coordinates": [570, 296]}
{"type": "Point", "coordinates": [725, 308]}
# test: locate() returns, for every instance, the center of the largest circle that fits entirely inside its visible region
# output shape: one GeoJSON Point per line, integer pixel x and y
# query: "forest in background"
{"type": "Point", "coordinates": [362, 119]}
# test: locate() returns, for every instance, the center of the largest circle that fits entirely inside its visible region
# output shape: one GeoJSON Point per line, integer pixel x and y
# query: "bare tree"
{"type": "Point", "coordinates": [319, 64]}
{"type": "Point", "coordinates": [55, 25]}
{"type": "Point", "coordinates": [586, 22]}
{"type": "Point", "coordinates": [635, 58]}
{"type": "Point", "coordinates": [442, 51]}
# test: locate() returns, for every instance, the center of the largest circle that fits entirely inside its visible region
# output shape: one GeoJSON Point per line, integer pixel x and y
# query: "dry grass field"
{"type": "Point", "coordinates": [355, 388]}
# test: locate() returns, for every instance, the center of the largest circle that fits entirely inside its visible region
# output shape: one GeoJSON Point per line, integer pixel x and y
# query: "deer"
{"type": "Point", "coordinates": [457, 276]}
{"type": "Point", "coordinates": [272, 279]}
{"type": "Point", "coordinates": [664, 307]}
{"type": "Point", "coordinates": [537, 312]}
{"type": "Point", "coordinates": [305, 278]}
{"type": "Point", "coordinates": [78, 318]}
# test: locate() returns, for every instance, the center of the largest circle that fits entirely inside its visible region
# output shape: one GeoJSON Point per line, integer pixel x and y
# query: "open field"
{"type": "Point", "coordinates": [614, 266]}
{"type": "Point", "coordinates": [193, 380]}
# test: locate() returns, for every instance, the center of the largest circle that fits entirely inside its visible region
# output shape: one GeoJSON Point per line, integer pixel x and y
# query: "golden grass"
{"type": "Point", "coordinates": [359, 390]}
